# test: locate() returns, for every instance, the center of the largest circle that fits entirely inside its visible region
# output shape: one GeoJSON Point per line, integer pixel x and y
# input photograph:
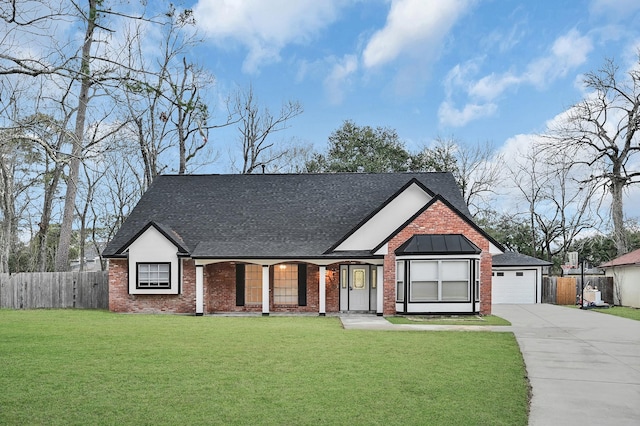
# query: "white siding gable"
{"type": "Point", "coordinates": [153, 247]}
{"type": "Point", "coordinates": [493, 249]}
{"type": "Point", "coordinates": [387, 220]}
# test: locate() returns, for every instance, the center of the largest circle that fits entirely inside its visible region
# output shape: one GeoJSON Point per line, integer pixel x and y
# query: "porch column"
{"type": "Point", "coordinates": [199, 290]}
{"type": "Point", "coordinates": [380, 290]}
{"type": "Point", "coordinates": [265, 291]}
{"type": "Point", "coordinates": [322, 291]}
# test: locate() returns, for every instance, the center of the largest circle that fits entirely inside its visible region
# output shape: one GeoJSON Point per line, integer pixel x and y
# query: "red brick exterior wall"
{"type": "Point", "coordinates": [121, 301]}
{"type": "Point", "coordinates": [437, 219]}
{"type": "Point", "coordinates": [333, 288]}
{"type": "Point", "coordinates": [220, 278]}
{"type": "Point", "coordinates": [220, 291]}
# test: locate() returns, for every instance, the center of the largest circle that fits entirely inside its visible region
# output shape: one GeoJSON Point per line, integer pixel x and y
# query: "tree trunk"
{"type": "Point", "coordinates": [66, 228]}
{"type": "Point", "coordinates": [8, 210]}
{"type": "Point", "coordinates": [45, 220]}
{"type": "Point", "coordinates": [182, 142]}
{"type": "Point", "coordinates": [617, 215]}
{"type": "Point", "coordinates": [144, 153]}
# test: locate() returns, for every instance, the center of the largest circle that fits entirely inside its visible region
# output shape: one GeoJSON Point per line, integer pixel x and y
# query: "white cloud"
{"type": "Point", "coordinates": [264, 27]}
{"type": "Point", "coordinates": [630, 54]}
{"type": "Point", "coordinates": [504, 41]}
{"type": "Point", "coordinates": [518, 146]}
{"type": "Point", "coordinates": [614, 8]}
{"type": "Point", "coordinates": [492, 86]}
{"type": "Point", "coordinates": [567, 52]}
{"type": "Point", "coordinates": [339, 76]}
{"type": "Point", "coordinates": [412, 26]}
{"type": "Point", "coordinates": [451, 116]}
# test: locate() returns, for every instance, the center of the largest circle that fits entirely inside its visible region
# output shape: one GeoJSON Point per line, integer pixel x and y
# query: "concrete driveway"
{"type": "Point", "coordinates": [584, 366]}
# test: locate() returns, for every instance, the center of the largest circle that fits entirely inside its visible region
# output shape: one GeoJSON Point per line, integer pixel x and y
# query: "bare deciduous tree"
{"type": "Point", "coordinates": [560, 205]}
{"type": "Point", "coordinates": [166, 98]}
{"type": "Point", "coordinates": [476, 168]}
{"type": "Point", "coordinates": [256, 124]}
{"type": "Point", "coordinates": [50, 135]}
{"type": "Point", "coordinates": [602, 132]}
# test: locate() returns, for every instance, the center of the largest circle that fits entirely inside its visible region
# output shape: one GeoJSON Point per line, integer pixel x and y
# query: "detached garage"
{"type": "Point", "coordinates": [625, 271]}
{"type": "Point", "coordinates": [517, 278]}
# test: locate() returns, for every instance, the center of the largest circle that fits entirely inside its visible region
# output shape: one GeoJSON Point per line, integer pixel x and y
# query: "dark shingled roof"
{"type": "Point", "coordinates": [437, 244]}
{"type": "Point", "coordinates": [516, 259]}
{"type": "Point", "coordinates": [268, 215]}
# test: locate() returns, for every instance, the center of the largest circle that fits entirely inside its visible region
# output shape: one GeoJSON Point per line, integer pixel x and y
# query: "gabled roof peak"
{"type": "Point", "coordinates": [268, 214]}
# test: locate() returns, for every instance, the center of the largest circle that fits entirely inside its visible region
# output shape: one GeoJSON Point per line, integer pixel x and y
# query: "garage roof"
{"type": "Point", "coordinates": [517, 259]}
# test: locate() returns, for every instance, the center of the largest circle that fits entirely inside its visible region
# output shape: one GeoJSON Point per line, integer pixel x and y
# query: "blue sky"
{"type": "Point", "coordinates": [473, 70]}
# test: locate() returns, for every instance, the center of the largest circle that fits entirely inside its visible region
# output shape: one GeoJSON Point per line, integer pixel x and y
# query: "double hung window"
{"type": "Point", "coordinates": [285, 284]}
{"type": "Point", "coordinates": [399, 281]}
{"type": "Point", "coordinates": [153, 275]}
{"type": "Point", "coordinates": [476, 274]}
{"type": "Point", "coordinates": [253, 284]}
{"type": "Point", "coordinates": [439, 280]}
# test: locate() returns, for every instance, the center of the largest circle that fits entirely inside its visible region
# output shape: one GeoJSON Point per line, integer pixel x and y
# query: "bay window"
{"type": "Point", "coordinates": [439, 280]}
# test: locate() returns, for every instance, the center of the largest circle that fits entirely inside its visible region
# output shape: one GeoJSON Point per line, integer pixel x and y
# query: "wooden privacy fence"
{"type": "Point", "coordinates": [565, 290]}
{"type": "Point", "coordinates": [86, 290]}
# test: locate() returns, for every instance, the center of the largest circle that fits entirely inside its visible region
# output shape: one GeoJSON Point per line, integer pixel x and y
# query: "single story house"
{"type": "Point", "coordinates": [625, 271]}
{"type": "Point", "coordinates": [517, 278]}
{"type": "Point", "coordinates": [317, 243]}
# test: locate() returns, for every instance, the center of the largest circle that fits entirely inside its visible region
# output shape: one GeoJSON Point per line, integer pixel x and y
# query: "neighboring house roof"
{"type": "Point", "coordinates": [269, 215]}
{"type": "Point", "coordinates": [516, 259]}
{"type": "Point", "coordinates": [632, 258]}
{"type": "Point", "coordinates": [437, 244]}
{"type": "Point", "coordinates": [91, 251]}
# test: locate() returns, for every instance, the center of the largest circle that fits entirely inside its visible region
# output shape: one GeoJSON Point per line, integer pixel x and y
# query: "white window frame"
{"type": "Point", "coordinates": [285, 295]}
{"type": "Point", "coordinates": [162, 284]}
{"type": "Point", "coordinates": [252, 284]}
{"type": "Point", "coordinates": [439, 280]}
{"type": "Point", "coordinates": [400, 296]}
{"type": "Point", "coordinates": [476, 273]}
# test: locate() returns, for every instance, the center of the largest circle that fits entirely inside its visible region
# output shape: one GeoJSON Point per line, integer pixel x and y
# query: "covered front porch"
{"type": "Point", "coordinates": [309, 286]}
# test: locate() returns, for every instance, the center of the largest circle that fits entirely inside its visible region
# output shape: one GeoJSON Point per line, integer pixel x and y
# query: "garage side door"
{"type": "Point", "coordinates": [513, 287]}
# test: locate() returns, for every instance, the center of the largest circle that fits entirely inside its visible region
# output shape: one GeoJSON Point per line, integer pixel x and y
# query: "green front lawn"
{"type": "Point", "coordinates": [95, 367]}
{"type": "Point", "coordinates": [620, 311]}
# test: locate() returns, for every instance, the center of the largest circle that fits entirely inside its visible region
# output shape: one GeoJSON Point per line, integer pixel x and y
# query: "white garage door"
{"type": "Point", "coordinates": [513, 287]}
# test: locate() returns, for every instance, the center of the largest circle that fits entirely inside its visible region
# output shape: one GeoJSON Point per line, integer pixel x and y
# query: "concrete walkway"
{"type": "Point", "coordinates": [372, 322]}
{"type": "Point", "coordinates": [583, 366]}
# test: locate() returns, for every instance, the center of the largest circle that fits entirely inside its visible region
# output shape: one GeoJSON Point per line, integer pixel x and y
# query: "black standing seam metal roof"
{"type": "Point", "coordinates": [268, 215]}
{"type": "Point", "coordinates": [437, 244]}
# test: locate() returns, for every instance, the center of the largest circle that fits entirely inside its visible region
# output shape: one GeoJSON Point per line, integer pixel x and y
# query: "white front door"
{"type": "Point", "coordinates": [358, 287]}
